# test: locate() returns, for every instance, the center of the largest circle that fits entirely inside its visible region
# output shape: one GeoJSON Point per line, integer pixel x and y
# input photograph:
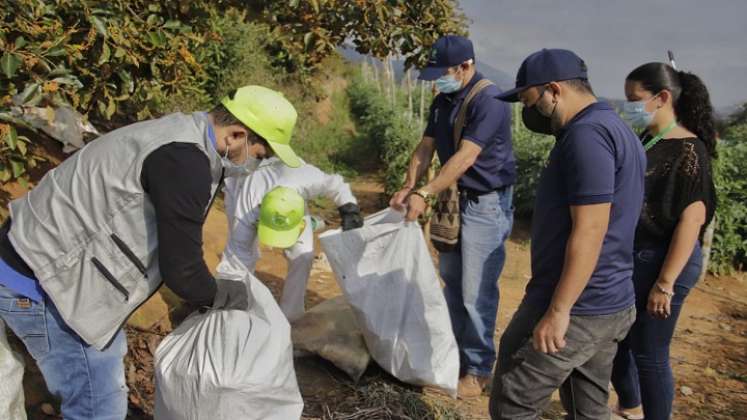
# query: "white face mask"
{"type": "Point", "coordinates": [232, 169]}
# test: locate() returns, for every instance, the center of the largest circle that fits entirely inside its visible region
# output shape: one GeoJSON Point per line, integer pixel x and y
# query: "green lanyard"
{"type": "Point", "coordinates": [660, 136]}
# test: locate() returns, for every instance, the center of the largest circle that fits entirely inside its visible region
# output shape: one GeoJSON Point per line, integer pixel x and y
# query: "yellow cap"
{"type": "Point", "coordinates": [268, 114]}
{"type": "Point", "coordinates": [281, 217]}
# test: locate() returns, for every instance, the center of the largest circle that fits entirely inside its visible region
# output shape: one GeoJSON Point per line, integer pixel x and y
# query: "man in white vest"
{"type": "Point", "coordinates": [100, 233]}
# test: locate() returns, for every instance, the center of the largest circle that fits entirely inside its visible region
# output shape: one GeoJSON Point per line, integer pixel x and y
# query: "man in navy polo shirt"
{"type": "Point", "coordinates": [579, 302]}
{"type": "Point", "coordinates": [484, 169]}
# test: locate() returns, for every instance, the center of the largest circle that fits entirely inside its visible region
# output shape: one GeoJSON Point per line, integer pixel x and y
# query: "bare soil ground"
{"type": "Point", "coordinates": [709, 350]}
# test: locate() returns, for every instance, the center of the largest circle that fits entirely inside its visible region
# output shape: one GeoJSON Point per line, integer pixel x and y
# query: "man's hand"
{"type": "Point", "coordinates": [351, 217]}
{"type": "Point", "coordinates": [549, 334]}
{"type": "Point", "coordinates": [415, 207]}
{"type": "Point", "coordinates": [398, 201]}
{"type": "Point", "coordinates": [231, 294]}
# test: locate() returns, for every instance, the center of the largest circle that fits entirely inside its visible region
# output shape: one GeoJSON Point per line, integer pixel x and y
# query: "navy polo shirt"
{"type": "Point", "coordinates": [596, 159]}
{"type": "Point", "coordinates": [487, 124]}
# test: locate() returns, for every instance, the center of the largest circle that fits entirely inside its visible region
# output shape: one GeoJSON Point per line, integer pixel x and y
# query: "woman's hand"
{"type": "Point", "coordinates": [659, 303]}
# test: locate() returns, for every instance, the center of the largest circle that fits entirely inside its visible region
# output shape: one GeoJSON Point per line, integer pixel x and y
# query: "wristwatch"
{"type": "Point", "coordinates": [427, 196]}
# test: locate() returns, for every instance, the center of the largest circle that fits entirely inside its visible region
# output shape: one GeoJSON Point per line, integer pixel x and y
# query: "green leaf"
{"type": "Point", "coordinates": [9, 63]}
{"type": "Point", "coordinates": [28, 92]}
{"type": "Point", "coordinates": [157, 38]}
{"type": "Point", "coordinates": [56, 52]}
{"type": "Point", "coordinates": [11, 139]}
{"type": "Point", "coordinates": [20, 42]}
{"type": "Point", "coordinates": [22, 146]}
{"type": "Point", "coordinates": [105, 54]}
{"type": "Point", "coordinates": [30, 96]}
{"type": "Point", "coordinates": [99, 25]}
{"type": "Point", "coordinates": [128, 84]}
{"type": "Point", "coordinates": [119, 52]}
{"type": "Point", "coordinates": [293, 4]}
{"type": "Point", "coordinates": [4, 173]}
{"type": "Point", "coordinates": [152, 19]}
{"type": "Point", "coordinates": [101, 105]}
{"type": "Point", "coordinates": [172, 24]}
{"type": "Point", "coordinates": [18, 168]}
{"type": "Point", "coordinates": [59, 71]}
{"type": "Point", "coordinates": [308, 40]}
{"type": "Point", "coordinates": [24, 182]}
{"type": "Point", "coordinates": [110, 108]}
{"type": "Point", "coordinates": [68, 80]}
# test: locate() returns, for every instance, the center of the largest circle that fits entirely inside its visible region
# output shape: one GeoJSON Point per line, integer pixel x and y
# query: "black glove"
{"type": "Point", "coordinates": [351, 216]}
{"type": "Point", "coordinates": [231, 294]}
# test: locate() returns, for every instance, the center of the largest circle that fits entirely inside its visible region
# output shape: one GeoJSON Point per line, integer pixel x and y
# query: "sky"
{"type": "Point", "coordinates": [708, 38]}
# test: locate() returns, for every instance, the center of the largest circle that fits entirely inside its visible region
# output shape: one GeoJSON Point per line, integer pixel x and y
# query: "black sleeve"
{"type": "Point", "coordinates": [177, 179]}
{"type": "Point", "coordinates": [696, 181]}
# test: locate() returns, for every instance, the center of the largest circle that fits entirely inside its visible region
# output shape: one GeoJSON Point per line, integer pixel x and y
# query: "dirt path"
{"type": "Point", "coordinates": [709, 350]}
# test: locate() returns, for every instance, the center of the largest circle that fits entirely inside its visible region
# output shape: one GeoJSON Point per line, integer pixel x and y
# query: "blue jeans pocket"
{"type": "Point", "coordinates": [28, 321]}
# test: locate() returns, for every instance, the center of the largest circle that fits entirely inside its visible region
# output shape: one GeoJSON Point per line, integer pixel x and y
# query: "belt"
{"type": "Point", "coordinates": [470, 193]}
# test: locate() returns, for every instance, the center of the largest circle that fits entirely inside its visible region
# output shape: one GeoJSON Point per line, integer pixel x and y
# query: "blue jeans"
{"type": "Point", "coordinates": [471, 276]}
{"type": "Point", "coordinates": [642, 373]}
{"type": "Point", "coordinates": [90, 383]}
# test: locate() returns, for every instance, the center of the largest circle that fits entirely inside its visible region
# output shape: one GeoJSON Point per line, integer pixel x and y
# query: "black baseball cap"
{"type": "Point", "coordinates": [545, 66]}
{"type": "Point", "coordinates": [447, 51]}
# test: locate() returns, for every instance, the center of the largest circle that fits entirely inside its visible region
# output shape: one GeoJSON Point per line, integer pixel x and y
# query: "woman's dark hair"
{"type": "Point", "coordinates": [692, 103]}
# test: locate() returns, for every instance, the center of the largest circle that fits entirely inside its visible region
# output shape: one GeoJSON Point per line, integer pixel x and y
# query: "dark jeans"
{"type": "Point", "coordinates": [642, 373]}
{"type": "Point", "coordinates": [525, 379]}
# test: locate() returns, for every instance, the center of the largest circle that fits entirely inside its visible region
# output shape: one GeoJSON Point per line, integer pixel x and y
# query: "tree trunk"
{"type": "Point", "coordinates": [422, 105]}
{"type": "Point", "coordinates": [410, 111]}
{"type": "Point", "coordinates": [706, 248]}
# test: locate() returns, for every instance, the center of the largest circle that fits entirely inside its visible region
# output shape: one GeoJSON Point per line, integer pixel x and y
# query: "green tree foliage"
{"type": "Point", "coordinates": [309, 30]}
{"type": "Point", "coordinates": [729, 248]}
{"type": "Point", "coordinates": [388, 126]}
{"type": "Point", "coordinates": [118, 61]}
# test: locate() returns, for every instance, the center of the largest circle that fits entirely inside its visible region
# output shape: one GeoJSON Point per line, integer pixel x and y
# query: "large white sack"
{"type": "Point", "coordinates": [229, 364]}
{"type": "Point", "coordinates": [11, 381]}
{"type": "Point", "coordinates": [387, 275]}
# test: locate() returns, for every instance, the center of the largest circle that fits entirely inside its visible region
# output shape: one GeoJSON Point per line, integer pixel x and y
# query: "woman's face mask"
{"type": "Point", "coordinates": [634, 112]}
{"type": "Point", "coordinates": [535, 120]}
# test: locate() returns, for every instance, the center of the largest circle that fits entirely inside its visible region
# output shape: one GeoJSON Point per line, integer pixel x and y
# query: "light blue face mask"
{"type": "Point", "coordinates": [448, 84]}
{"type": "Point", "coordinates": [634, 112]}
{"type": "Point", "coordinates": [233, 169]}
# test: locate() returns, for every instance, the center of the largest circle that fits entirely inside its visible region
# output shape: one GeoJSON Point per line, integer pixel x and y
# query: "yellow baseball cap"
{"type": "Point", "coordinates": [268, 114]}
{"type": "Point", "coordinates": [281, 217]}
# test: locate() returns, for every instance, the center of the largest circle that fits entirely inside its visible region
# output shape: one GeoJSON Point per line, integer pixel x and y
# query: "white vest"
{"type": "Point", "coordinates": [88, 230]}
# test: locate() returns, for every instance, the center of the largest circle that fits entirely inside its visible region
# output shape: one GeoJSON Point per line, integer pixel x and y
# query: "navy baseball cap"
{"type": "Point", "coordinates": [545, 66]}
{"type": "Point", "coordinates": [448, 51]}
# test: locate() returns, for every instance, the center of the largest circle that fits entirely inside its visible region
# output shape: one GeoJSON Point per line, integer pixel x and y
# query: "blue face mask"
{"type": "Point", "coordinates": [448, 84]}
{"type": "Point", "coordinates": [634, 112]}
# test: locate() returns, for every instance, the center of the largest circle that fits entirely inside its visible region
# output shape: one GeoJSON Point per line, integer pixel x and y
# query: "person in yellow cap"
{"type": "Point", "coordinates": [268, 207]}
{"type": "Point", "coordinates": [101, 232]}
{"type": "Point", "coordinates": [281, 218]}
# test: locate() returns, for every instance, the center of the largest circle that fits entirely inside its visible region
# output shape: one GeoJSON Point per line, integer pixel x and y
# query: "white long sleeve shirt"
{"type": "Point", "coordinates": [243, 197]}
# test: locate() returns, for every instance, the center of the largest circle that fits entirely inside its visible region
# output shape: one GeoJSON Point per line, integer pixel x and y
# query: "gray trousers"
{"type": "Point", "coordinates": [525, 379]}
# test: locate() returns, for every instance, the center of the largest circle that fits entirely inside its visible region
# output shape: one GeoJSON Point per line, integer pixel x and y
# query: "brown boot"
{"type": "Point", "coordinates": [471, 386]}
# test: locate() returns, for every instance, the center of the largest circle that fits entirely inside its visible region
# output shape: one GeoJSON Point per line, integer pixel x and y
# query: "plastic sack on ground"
{"type": "Point", "coordinates": [329, 331]}
{"type": "Point", "coordinates": [11, 381]}
{"type": "Point", "coordinates": [229, 364]}
{"type": "Point", "coordinates": [387, 275]}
